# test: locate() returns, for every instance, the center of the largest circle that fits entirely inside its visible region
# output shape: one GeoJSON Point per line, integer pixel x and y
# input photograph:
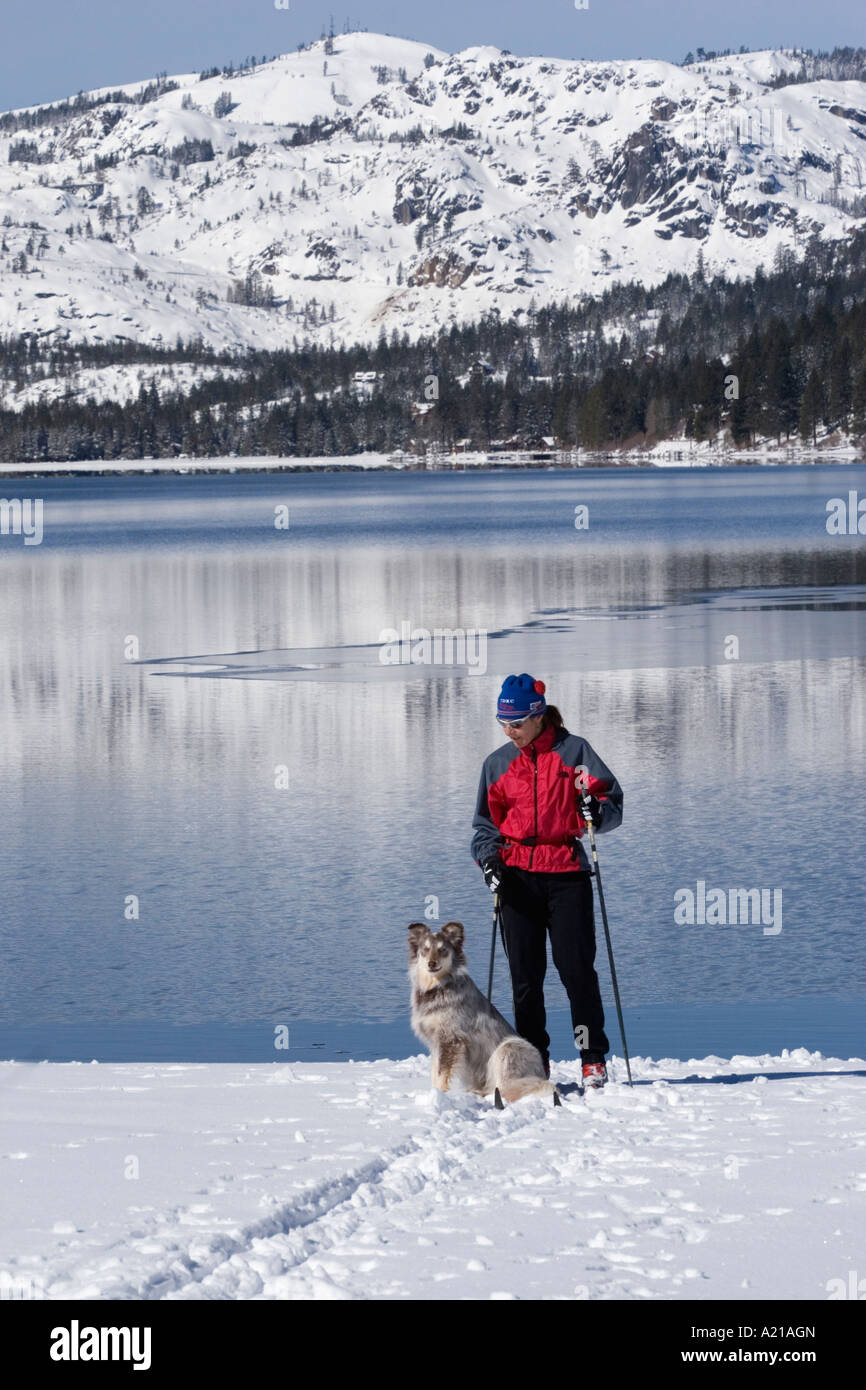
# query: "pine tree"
{"type": "Point", "coordinates": [779, 415]}
{"type": "Point", "coordinates": [811, 407]}
{"type": "Point", "coordinates": [840, 384]}
{"type": "Point", "coordinates": [858, 402]}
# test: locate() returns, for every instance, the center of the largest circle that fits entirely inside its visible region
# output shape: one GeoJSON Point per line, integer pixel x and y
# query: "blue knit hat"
{"type": "Point", "coordinates": [520, 697]}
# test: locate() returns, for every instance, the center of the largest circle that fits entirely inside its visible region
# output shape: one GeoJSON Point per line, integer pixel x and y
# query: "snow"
{"type": "Point", "coordinates": [499, 208]}
{"type": "Point", "coordinates": [258, 464]}
{"type": "Point", "coordinates": [119, 382]}
{"type": "Point", "coordinates": [740, 1178]}
{"type": "Point", "coordinates": [672, 453]}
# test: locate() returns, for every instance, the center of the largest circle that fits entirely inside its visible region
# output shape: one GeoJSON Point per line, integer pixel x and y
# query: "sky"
{"type": "Point", "coordinates": [58, 47]}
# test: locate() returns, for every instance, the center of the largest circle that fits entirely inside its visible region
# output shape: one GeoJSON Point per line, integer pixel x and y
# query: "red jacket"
{"type": "Point", "coordinates": [527, 808]}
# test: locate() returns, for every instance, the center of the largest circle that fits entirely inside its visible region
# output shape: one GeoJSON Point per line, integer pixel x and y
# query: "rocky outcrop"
{"type": "Point", "coordinates": [447, 271]}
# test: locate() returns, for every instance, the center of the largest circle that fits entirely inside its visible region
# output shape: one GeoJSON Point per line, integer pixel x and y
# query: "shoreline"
{"type": "Point", "coordinates": [453, 463]}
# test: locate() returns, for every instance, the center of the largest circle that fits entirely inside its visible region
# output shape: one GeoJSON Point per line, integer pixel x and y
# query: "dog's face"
{"type": "Point", "coordinates": [434, 955]}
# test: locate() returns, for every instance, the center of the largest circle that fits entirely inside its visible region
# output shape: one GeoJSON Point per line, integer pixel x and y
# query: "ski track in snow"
{"type": "Point", "coordinates": [684, 1187]}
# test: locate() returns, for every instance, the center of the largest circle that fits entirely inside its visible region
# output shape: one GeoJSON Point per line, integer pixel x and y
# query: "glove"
{"type": "Point", "coordinates": [494, 872]}
{"type": "Point", "coordinates": [590, 809]}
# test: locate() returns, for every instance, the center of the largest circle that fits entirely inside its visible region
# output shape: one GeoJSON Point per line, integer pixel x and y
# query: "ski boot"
{"type": "Point", "coordinates": [594, 1072]}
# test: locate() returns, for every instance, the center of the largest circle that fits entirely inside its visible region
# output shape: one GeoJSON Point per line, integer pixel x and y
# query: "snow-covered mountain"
{"type": "Point", "coordinates": [386, 185]}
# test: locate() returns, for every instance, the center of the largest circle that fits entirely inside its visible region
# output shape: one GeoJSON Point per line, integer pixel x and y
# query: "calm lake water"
{"type": "Point", "coordinates": [195, 715]}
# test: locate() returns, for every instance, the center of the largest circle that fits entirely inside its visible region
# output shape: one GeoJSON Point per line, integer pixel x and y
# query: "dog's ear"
{"type": "Point", "coordinates": [417, 933]}
{"type": "Point", "coordinates": [453, 932]}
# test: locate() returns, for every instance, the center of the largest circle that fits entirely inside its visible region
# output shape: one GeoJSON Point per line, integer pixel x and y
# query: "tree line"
{"type": "Point", "coordinates": [781, 355]}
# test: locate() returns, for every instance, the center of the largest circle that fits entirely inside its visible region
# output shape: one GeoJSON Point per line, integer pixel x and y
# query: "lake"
{"type": "Point", "coordinates": [221, 808]}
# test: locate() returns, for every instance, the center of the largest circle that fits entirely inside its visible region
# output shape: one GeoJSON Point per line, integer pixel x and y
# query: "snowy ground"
{"type": "Point", "coordinates": [118, 382]}
{"type": "Point", "coordinates": [258, 464]}
{"type": "Point", "coordinates": [673, 454]}
{"type": "Point", "coordinates": [741, 1179]}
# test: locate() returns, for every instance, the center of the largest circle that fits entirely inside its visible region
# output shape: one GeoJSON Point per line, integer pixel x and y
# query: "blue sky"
{"type": "Point", "coordinates": [57, 47]}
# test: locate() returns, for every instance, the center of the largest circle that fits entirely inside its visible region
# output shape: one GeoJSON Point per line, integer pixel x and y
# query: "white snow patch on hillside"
{"type": "Point", "coordinates": [121, 383]}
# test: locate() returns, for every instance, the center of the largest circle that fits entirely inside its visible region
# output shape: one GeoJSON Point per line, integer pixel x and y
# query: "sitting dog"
{"type": "Point", "coordinates": [469, 1041]}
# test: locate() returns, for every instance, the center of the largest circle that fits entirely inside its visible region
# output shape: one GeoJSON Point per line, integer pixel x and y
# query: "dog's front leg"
{"type": "Point", "coordinates": [438, 1078]}
{"type": "Point", "coordinates": [443, 1062]}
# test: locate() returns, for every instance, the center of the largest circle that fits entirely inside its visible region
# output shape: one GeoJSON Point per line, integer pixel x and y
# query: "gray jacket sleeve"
{"type": "Point", "coordinates": [486, 839]}
{"type": "Point", "coordinates": [602, 784]}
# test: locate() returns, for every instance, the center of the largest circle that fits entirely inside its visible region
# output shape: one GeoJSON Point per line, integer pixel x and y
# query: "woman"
{"type": "Point", "coordinates": [528, 828]}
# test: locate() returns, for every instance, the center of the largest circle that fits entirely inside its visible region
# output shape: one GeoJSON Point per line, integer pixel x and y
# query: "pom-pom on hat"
{"type": "Point", "coordinates": [520, 697]}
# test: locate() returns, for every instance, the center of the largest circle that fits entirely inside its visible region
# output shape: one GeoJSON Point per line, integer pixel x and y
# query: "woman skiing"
{"type": "Point", "coordinates": [528, 828]}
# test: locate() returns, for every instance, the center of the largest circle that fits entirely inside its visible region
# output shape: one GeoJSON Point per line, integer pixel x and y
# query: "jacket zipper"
{"type": "Point", "coordinates": [535, 799]}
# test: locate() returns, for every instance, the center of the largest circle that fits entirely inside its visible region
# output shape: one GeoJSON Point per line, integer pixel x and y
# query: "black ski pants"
{"type": "Point", "coordinates": [533, 905]}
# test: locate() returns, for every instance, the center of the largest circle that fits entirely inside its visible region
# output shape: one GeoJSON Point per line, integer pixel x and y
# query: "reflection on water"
{"type": "Point", "coordinates": [155, 777]}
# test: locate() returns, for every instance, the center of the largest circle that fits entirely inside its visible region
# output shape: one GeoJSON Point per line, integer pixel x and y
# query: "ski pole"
{"type": "Point", "coordinates": [586, 803]}
{"type": "Point", "coordinates": [493, 945]}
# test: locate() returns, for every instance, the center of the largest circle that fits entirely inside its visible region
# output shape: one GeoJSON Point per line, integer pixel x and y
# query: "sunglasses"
{"type": "Point", "coordinates": [513, 723]}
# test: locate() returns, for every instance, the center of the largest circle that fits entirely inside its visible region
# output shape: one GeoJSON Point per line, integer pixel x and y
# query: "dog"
{"type": "Point", "coordinates": [469, 1040]}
